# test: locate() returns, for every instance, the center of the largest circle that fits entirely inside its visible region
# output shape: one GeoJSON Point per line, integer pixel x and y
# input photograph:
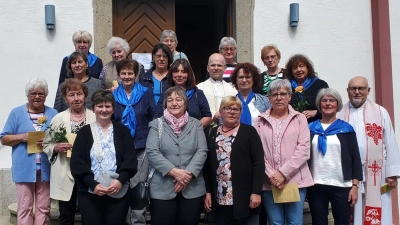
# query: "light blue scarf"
{"type": "Point", "coordinates": [129, 116]}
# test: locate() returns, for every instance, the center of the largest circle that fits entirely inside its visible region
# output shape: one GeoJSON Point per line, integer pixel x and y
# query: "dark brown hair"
{"type": "Point", "coordinates": [72, 57]}
{"type": "Point", "coordinates": [101, 96]}
{"type": "Point", "coordinates": [190, 82]}
{"type": "Point", "coordinates": [73, 84]}
{"type": "Point", "coordinates": [128, 64]}
{"type": "Point", "coordinates": [294, 61]}
{"type": "Point", "coordinates": [165, 50]}
{"type": "Point", "coordinates": [248, 68]}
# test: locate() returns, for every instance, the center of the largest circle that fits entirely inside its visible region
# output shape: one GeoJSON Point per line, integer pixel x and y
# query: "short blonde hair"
{"type": "Point", "coordinates": [82, 34]}
{"type": "Point", "coordinates": [230, 100]}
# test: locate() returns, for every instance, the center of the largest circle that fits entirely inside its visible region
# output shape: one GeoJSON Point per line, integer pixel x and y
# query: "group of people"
{"type": "Point", "coordinates": [228, 145]}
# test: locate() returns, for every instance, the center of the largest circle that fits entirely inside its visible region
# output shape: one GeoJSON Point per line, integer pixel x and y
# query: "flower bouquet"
{"type": "Point", "coordinates": [301, 103]}
{"type": "Point", "coordinates": [58, 134]}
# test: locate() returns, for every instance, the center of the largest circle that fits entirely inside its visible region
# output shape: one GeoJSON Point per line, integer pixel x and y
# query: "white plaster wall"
{"type": "Point", "coordinates": [335, 34]}
{"type": "Point", "coordinates": [28, 49]}
{"type": "Point", "coordinates": [395, 42]}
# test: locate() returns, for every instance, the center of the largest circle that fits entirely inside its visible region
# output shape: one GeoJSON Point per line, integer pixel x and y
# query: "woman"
{"type": "Point", "coordinates": [62, 184]}
{"type": "Point", "coordinates": [169, 38]}
{"type": "Point", "coordinates": [155, 79]}
{"type": "Point", "coordinates": [235, 150]}
{"type": "Point", "coordinates": [78, 67]}
{"type": "Point", "coordinates": [271, 56]}
{"type": "Point", "coordinates": [30, 172]}
{"type": "Point", "coordinates": [246, 79]}
{"type": "Point", "coordinates": [134, 108]}
{"type": "Point", "coordinates": [176, 148]}
{"type": "Point", "coordinates": [227, 48]}
{"type": "Point", "coordinates": [100, 148]}
{"type": "Point", "coordinates": [286, 142]}
{"type": "Point", "coordinates": [335, 162]}
{"type": "Point", "coordinates": [118, 48]}
{"type": "Point", "coordinates": [305, 85]}
{"type": "Point", "coordinates": [82, 41]}
{"type": "Point", "coordinates": [181, 74]}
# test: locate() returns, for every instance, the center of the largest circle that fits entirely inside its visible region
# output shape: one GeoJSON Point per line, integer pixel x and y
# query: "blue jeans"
{"type": "Point", "coordinates": [284, 213]}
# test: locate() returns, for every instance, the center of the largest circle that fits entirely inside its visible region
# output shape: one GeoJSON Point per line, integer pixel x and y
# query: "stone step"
{"type": "Point", "coordinates": [54, 213]}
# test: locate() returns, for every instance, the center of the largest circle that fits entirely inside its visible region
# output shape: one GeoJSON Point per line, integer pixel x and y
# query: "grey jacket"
{"type": "Point", "coordinates": [187, 151]}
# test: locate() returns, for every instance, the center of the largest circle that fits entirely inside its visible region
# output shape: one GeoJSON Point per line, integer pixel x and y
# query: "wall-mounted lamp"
{"type": "Point", "coordinates": [294, 14]}
{"type": "Point", "coordinates": [50, 16]}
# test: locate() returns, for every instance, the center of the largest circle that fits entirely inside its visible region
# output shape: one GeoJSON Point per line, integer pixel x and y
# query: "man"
{"type": "Point", "coordinates": [215, 88]}
{"type": "Point", "coordinates": [378, 150]}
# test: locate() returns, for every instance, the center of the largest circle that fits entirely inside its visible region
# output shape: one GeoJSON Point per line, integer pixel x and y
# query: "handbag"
{"type": "Point", "coordinates": [106, 177]}
{"type": "Point", "coordinates": [140, 194]}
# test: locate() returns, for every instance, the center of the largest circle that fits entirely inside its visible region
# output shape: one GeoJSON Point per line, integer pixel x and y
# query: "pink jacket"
{"type": "Point", "coordinates": [295, 149]}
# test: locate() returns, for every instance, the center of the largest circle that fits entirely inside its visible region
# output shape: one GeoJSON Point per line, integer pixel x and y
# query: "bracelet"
{"type": "Point", "coordinates": [355, 185]}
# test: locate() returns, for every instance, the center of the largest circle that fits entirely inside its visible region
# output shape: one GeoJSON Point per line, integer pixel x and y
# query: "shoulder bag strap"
{"type": "Point", "coordinates": [160, 126]}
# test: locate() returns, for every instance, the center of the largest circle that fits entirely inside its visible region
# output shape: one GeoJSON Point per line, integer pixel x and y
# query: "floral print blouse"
{"type": "Point", "coordinates": [224, 173]}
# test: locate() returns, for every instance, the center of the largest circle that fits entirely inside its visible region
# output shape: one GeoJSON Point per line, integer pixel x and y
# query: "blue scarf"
{"type": "Point", "coordinates": [307, 83]}
{"type": "Point", "coordinates": [339, 126]}
{"type": "Point", "coordinates": [91, 59]}
{"type": "Point", "coordinates": [246, 115]}
{"type": "Point", "coordinates": [129, 116]}
{"type": "Point", "coordinates": [189, 93]}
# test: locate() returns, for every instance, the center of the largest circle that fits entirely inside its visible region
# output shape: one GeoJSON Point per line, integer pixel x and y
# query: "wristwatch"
{"type": "Point", "coordinates": [355, 185]}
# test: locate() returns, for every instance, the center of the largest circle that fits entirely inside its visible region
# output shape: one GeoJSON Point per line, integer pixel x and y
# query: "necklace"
{"type": "Point", "coordinates": [78, 118]}
{"type": "Point", "coordinates": [226, 131]}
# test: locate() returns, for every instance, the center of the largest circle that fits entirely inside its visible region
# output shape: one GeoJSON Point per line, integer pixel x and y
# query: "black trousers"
{"type": "Point", "coordinates": [177, 211]}
{"type": "Point", "coordinates": [224, 216]}
{"type": "Point", "coordinates": [67, 209]}
{"type": "Point", "coordinates": [319, 197]}
{"type": "Point", "coordinates": [103, 210]}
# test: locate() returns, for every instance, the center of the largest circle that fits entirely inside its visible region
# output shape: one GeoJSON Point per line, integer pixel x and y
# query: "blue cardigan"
{"type": "Point", "coordinates": [198, 106]}
{"type": "Point", "coordinates": [23, 168]}
{"type": "Point", "coordinates": [144, 111]}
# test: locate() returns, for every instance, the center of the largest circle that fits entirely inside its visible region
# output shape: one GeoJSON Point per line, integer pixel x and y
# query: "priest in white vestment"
{"type": "Point", "coordinates": [378, 150]}
{"type": "Point", "coordinates": [215, 88]}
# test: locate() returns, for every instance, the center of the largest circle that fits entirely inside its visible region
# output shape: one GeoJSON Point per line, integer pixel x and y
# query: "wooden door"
{"type": "Point", "coordinates": [142, 22]}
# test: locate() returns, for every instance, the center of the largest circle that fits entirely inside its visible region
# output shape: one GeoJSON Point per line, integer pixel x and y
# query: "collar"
{"type": "Point", "coordinates": [218, 82]}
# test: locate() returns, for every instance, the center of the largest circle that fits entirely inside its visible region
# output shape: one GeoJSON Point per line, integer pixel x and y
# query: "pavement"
{"type": "Point", "coordinates": [5, 221]}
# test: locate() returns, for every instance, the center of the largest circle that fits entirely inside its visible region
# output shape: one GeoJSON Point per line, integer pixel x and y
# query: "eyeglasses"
{"type": "Point", "coordinates": [232, 49]}
{"type": "Point", "coordinates": [82, 42]}
{"type": "Point", "coordinates": [216, 65]}
{"type": "Point", "coordinates": [268, 57]}
{"type": "Point", "coordinates": [177, 100]}
{"type": "Point", "coordinates": [169, 41]}
{"type": "Point", "coordinates": [231, 110]}
{"type": "Point", "coordinates": [360, 89]}
{"type": "Point", "coordinates": [330, 100]}
{"type": "Point", "coordinates": [282, 95]}
{"type": "Point", "coordinates": [160, 56]}
{"type": "Point", "coordinates": [244, 77]}
{"type": "Point", "coordinates": [34, 94]}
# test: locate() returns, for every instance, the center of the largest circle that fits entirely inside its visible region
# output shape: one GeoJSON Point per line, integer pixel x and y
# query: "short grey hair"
{"type": "Point", "coordinates": [331, 92]}
{"type": "Point", "coordinates": [82, 34]}
{"type": "Point", "coordinates": [114, 42]}
{"type": "Point", "coordinates": [227, 41]}
{"type": "Point", "coordinates": [178, 91]}
{"type": "Point", "coordinates": [36, 82]}
{"type": "Point", "coordinates": [169, 33]}
{"type": "Point", "coordinates": [278, 84]}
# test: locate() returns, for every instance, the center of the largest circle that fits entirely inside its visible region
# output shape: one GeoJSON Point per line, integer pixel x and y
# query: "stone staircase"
{"type": "Point", "coordinates": [54, 216]}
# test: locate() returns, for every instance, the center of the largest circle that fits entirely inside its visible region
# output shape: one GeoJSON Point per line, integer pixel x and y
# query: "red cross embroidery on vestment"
{"type": "Point", "coordinates": [372, 215]}
{"type": "Point", "coordinates": [374, 168]}
{"type": "Point", "coordinates": [374, 131]}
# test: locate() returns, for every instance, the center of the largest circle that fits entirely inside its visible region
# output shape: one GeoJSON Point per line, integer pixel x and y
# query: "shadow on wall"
{"type": "Point", "coordinates": [8, 192]}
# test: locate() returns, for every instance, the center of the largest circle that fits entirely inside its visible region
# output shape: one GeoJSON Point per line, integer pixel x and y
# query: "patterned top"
{"type": "Point", "coordinates": [76, 126]}
{"type": "Point", "coordinates": [267, 79]}
{"type": "Point", "coordinates": [224, 173]}
{"type": "Point", "coordinates": [109, 161]}
{"type": "Point", "coordinates": [278, 126]}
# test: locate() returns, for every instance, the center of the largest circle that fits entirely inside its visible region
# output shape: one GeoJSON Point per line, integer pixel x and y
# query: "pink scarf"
{"type": "Point", "coordinates": [176, 124]}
